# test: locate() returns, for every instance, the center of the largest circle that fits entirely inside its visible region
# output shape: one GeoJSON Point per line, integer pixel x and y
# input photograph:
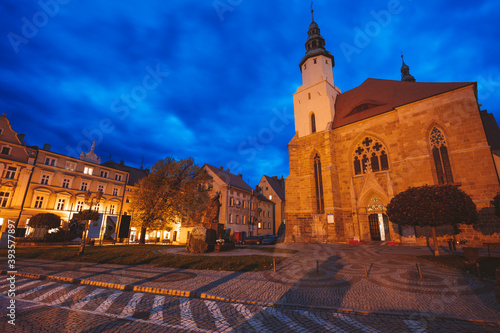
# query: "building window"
{"type": "Point", "coordinates": [111, 209]}
{"type": "Point", "coordinates": [315, 60]}
{"type": "Point", "coordinates": [70, 166]}
{"type": "Point", "coordinates": [100, 188]}
{"type": "Point", "coordinates": [88, 170]}
{"type": "Point", "coordinates": [50, 161]}
{"type": "Point", "coordinates": [118, 177]}
{"type": "Point", "coordinates": [4, 198]}
{"type": "Point", "coordinates": [441, 159]}
{"type": "Point", "coordinates": [370, 155]}
{"type": "Point", "coordinates": [115, 191]}
{"type": "Point", "coordinates": [127, 200]}
{"type": "Point", "coordinates": [11, 173]}
{"type": "Point", "coordinates": [259, 225]}
{"type": "Point", "coordinates": [85, 186]}
{"type": "Point", "coordinates": [270, 197]}
{"type": "Point", "coordinates": [5, 150]}
{"type": "Point", "coordinates": [97, 207]}
{"type": "Point", "coordinates": [104, 174]}
{"type": "Point", "coordinates": [65, 183]}
{"type": "Point", "coordinates": [244, 219]}
{"type": "Point", "coordinates": [313, 123]}
{"type": "Point", "coordinates": [45, 180]}
{"type": "Point", "coordinates": [60, 204]}
{"type": "Point", "coordinates": [231, 201]}
{"type": "Point", "coordinates": [39, 201]}
{"type": "Point", "coordinates": [230, 218]}
{"type": "Point", "coordinates": [318, 180]}
{"type": "Point", "coordinates": [237, 219]}
{"type": "Point", "coordinates": [244, 204]}
{"type": "Point", "coordinates": [79, 206]}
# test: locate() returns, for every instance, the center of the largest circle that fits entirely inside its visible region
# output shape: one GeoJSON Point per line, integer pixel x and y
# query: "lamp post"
{"type": "Point", "coordinates": [89, 200]}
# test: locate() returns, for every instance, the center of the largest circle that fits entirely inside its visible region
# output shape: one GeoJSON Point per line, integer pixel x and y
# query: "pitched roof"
{"type": "Point", "coordinates": [376, 96]}
{"type": "Point", "coordinates": [277, 187]}
{"type": "Point", "coordinates": [134, 174]}
{"type": "Point", "coordinates": [230, 178]}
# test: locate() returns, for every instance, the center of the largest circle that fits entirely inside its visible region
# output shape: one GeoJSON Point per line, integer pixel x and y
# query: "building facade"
{"type": "Point", "coordinates": [273, 188]}
{"type": "Point", "coordinates": [60, 183]}
{"type": "Point", "coordinates": [242, 209]}
{"type": "Point", "coordinates": [16, 167]}
{"type": "Point", "coordinates": [354, 151]}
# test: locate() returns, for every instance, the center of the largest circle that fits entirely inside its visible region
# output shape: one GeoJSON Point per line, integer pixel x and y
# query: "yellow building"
{"type": "Point", "coordinates": [353, 151]}
{"type": "Point", "coordinates": [59, 184]}
{"type": "Point", "coordinates": [16, 166]}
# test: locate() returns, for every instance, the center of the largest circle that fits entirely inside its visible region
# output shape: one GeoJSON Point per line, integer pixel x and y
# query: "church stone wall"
{"type": "Point", "coordinates": [406, 134]}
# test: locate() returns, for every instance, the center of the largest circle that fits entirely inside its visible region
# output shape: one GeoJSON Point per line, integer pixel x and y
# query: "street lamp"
{"type": "Point", "coordinates": [89, 200]}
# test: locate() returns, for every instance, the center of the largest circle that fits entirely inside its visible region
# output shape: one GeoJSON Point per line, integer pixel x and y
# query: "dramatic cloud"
{"type": "Point", "coordinates": [214, 80]}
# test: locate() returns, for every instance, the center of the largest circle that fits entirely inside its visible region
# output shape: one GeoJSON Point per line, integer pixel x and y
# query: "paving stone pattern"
{"type": "Point", "coordinates": [322, 288]}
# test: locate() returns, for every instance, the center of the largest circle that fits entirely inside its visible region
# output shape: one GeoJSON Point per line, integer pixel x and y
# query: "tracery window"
{"type": "Point", "coordinates": [370, 154]}
{"type": "Point", "coordinates": [440, 155]}
{"type": "Point", "coordinates": [318, 179]}
{"type": "Point", "coordinates": [313, 123]}
{"type": "Point", "coordinates": [375, 204]}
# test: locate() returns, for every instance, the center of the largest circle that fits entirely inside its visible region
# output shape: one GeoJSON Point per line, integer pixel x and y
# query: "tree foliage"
{"type": "Point", "coordinates": [45, 220]}
{"type": "Point", "coordinates": [173, 189]}
{"type": "Point", "coordinates": [496, 204]}
{"type": "Point", "coordinates": [432, 206]}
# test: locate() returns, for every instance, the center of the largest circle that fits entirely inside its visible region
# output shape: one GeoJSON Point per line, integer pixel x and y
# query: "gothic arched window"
{"type": "Point", "coordinates": [313, 123]}
{"type": "Point", "coordinates": [370, 154]}
{"type": "Point", "coordinates": [318, 180]}
{"type": "Point", "coordinates": [440, 155]}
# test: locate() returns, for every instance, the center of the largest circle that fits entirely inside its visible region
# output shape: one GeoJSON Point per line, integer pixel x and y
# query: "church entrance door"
{"type": "Point", "coordinates": [379, 227]}
{"type": "Point", "coordinates": [374, 228]}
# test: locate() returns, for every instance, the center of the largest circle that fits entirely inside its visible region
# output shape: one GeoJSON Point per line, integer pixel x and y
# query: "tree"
{"type": "Point", "coordinates": [85, 216]}
{"type": "Point", "coordinates": [172, 190]}
{"type": "Point", "coordinates": [496, 204]}
{"type": "Point", "coordinates": [45, 220]}
{"type": "Point", "coordinates": [432, 206]}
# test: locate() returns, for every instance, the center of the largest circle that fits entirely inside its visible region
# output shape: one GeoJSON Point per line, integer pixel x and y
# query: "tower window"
{"type": "Point", "coordinates": [315, 60]}
{"type": "Point", "coordinates": [440, 155]}
{"type": "Point", "coordinates": [313, 123]}
{"type": "Point", "coordinates": [370, 155]}
{"type": "Point", "coordinates": [309, 95]}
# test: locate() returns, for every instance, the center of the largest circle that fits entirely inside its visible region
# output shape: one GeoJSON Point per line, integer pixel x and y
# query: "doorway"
{"type": "Point", "coordinates": [379, 227]}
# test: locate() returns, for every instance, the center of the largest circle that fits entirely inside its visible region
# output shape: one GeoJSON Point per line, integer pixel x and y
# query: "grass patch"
{"type": "Point", "coordinates": [144, 254]}
{"type": "Point", "coordinates": [487, 265]}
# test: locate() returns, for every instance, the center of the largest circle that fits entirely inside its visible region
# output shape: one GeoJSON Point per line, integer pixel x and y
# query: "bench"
{"type": "Point", "coordinates": [166, 241]}
{"type": "Point", "coordinates": [488, 245]}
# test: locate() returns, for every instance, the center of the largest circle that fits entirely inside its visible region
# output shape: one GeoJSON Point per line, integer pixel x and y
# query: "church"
{"type": "Point", "coordinates": [353, 151]}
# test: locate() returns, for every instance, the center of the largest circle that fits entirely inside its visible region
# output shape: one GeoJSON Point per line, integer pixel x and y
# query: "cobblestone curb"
{"type": "Point", "coordinates": [191, 294]}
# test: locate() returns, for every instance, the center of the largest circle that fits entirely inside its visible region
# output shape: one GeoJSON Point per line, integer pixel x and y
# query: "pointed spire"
{"type": "Point", "coordinates": [405, 72]}
{"type": "Point", "coordinates": [315, 44]}
{"type": "Point", "coordinates": [93, 146]}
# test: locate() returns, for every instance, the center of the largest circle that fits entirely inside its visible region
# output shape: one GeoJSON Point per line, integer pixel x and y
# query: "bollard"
{"type": "Point", "coordinates": [478, 271]}
{"type": "Point", "coordinates": [366, 271]}
{"type": "Point", "coordinates": [274, 265]}
{"type": "Point", "coordinates": [419, 271]}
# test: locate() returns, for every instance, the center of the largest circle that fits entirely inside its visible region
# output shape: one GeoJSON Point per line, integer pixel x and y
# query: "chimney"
{"type": "Point", "coordinates": [21, 137]}
{"type": "Point", "coordinates": [240, 175]}
{"type": "Point", "coordinates": [46, 147]}
{"type": "Point", "coordinates": [221, 167]}
{"type": "Point", "coordinates": [227, 170]}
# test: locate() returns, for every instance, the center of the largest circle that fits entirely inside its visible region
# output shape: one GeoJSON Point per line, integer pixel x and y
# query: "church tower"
{"type": "Point", "coordinates": [314, 101]}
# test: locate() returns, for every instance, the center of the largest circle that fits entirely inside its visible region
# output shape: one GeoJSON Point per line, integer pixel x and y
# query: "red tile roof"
{"type": "Point", "coordinates": [385, 95]}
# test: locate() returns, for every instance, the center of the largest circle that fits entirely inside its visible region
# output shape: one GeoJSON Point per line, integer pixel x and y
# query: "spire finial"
{"type": "Point", "coordinates": [312, 11]}
{"type": "Point", "coordinates": [405, 71]}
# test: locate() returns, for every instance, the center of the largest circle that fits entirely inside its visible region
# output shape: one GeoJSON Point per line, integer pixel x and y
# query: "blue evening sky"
{"type": "Point", "coordinates": [213, 80]}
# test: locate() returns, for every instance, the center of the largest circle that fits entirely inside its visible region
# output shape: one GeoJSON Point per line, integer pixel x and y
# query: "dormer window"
{"type": "Point", "coordinates": [5, 150]}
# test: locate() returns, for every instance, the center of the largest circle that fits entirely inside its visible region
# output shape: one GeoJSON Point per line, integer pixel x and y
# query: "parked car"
{"type": "Point", "coordinates": [269, 240]}
{"type": "Point", "coordinates": [252, 240]}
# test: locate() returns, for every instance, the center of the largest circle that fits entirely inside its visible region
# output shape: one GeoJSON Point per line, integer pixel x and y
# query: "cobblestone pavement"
{"type": "Point", "coordinates": [321, 288]}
